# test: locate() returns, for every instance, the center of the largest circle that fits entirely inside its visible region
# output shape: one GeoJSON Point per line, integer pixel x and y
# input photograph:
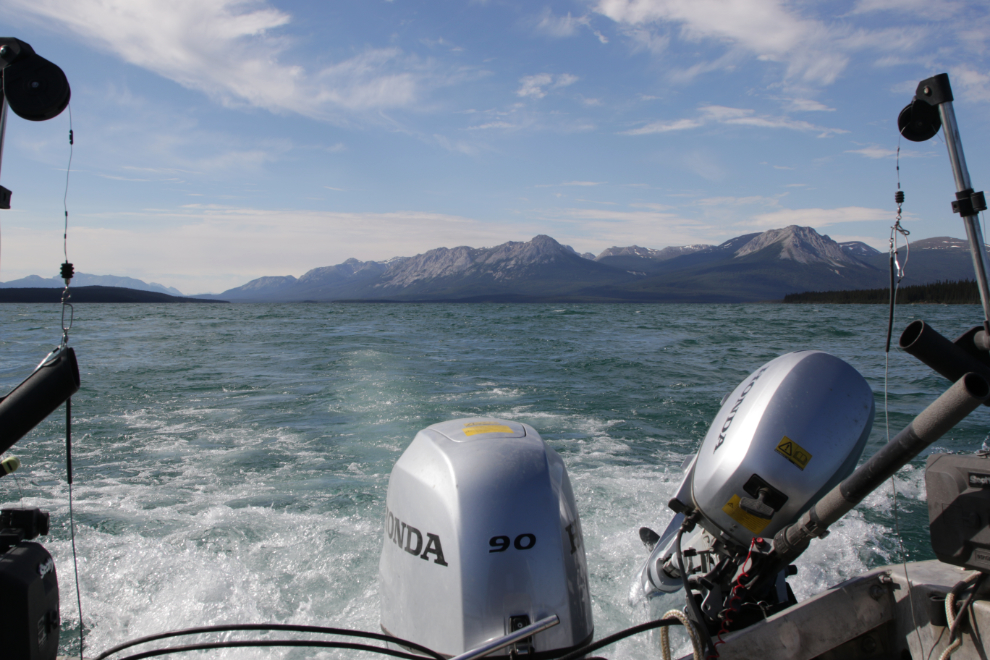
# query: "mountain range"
{"type": "Point", "coordinates": [749, 268]}
{"type": "Point", "coordinates": [83, 279]}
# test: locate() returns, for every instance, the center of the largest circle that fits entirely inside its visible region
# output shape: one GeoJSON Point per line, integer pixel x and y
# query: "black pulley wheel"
{"type": "Point", "coordinates": [919, 121]}
{"type": "Point", "coordinates": [35, 88]}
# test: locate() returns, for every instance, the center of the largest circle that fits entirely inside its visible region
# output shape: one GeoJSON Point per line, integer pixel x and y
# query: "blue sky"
{"type": "Point", "coordinates": [222, 140]}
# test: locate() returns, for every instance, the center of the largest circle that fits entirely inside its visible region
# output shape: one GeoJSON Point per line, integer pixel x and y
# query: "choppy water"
{"type": "Point", "coordinates": [231, 461]}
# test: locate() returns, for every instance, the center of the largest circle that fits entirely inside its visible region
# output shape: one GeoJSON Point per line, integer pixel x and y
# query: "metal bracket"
{"type": "Point", "coordinates": [935, 90]}
{"type": "Point", "coordinates": [969, 203]}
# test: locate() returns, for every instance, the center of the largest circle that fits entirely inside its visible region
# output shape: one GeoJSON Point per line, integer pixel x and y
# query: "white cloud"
{"type": "Point", "coordinates": [766, 28]}
{"type": "Point", "coordinates": [924, 8]}
{"type": "Point", "coordinates": [874, 151]}
{"type": "Point", "coordinates": [533, 85]}
{"type": "Point", "coordinates": [807, 105]}
{"type": "Point", "coordinates": [972, 85]}
{"type": "Point", "coordinates": [720, 114]}
{"type": "Point", "coordinates": [560, 26]}
{"type": "Point", "coordinates": [739, 201]}
{"type": "Point", "coordinates": [591, 230]}
{"type": "Point", "coordinates": [666, 127]}
{"type": "Point", "coordinates": [190, 247]}
{"type": "Point", "coordinates": [812, 45]}
{"type": "Point", "coordinates": [456, 146]}
{"type": "Point", "coordinates": [817, 218]}
{"type": "Point", "coordinates": [583, 184]}
{"type": "Point", "coordinates": [499, 125]}
{"type": "Point", "coordinates": [232, 51]}
{"type": "Point", "coordinates": [538, 85]}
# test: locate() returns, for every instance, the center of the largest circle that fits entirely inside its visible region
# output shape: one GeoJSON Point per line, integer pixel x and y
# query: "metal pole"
{"type": "Point", "coordinates": [973, 232]}
{"type": "Point", "coordinates": [3, 123]}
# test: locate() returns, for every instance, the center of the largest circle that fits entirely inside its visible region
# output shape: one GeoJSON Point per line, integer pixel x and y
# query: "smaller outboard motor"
{"type": "Point", "coordinates": [786, 435]}
{"type": "Point", "coordinates": [482, 537]}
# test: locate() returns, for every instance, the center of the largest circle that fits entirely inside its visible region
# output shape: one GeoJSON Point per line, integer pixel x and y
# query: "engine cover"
{"type": "Point", "coordinates": [786, 435]}
{"type": "Point", "coordinates": [29, 613]}
{"type": "Point", "coordinates": [481, 535]}
{"type": "Point", "coordinates": [958, 489]}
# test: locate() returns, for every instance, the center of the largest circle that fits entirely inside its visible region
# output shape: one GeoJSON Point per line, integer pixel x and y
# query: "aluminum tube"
{"type": "Point", "coordinates": [954, 144]}
{"type": "Point", "coordinates": [934, 421]}
{"type": "Point", "coordinates": [972, 223]}
{"type": "Point", "coordinates": [3, 123]}
{"type": "Point", "coordinates": [511, 638]}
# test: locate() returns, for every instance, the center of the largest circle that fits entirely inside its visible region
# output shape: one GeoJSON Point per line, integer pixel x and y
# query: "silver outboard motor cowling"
{"type": "Point", "coordinates": [482, 537]}
{"type": "Point", "coordinates": [785, 436]}
{"type": "Point", "coordinates": [795, 428]}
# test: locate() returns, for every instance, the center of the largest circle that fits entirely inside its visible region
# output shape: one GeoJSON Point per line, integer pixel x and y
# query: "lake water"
{"type": "Point", "coordinates": [231, 461]}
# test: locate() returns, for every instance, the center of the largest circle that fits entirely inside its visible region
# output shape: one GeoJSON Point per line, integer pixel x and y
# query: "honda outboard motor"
{"type": "Point", "coordinates": [783, 438]}
{"type": "Point", "coordinates": [482, 537]}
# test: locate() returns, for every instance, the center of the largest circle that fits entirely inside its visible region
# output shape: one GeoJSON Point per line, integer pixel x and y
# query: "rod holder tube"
{"type": "Point", "coordinates": [38, 396]}
{"type": "Point", "coordinates": [943, 356]}
{"type": "Point", "coordinates": [936, 420]}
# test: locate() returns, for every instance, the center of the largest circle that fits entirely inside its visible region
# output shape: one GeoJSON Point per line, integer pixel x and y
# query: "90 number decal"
{"type": "Point", "coordinates": [522, 542]}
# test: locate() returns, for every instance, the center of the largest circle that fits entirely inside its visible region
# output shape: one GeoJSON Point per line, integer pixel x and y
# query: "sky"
{"type": "Point", "coordinates": [217, 141]}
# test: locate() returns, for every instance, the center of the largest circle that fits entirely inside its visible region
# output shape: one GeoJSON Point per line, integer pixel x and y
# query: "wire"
{"type": "Point", "coordinates": [271, 627]}
{"type": "Point", "coordinates": [72, 517]}
{"type": "Point", "coordinates": [65, 197]}
{"type": "Point", "coordinates": [573, 655]}
{"type": "Point", "coordinates": [897, 229]}
{"type": "Point", "coordinates": [315, 643]}
{"type": "Point", "coordinates": [622, 634]}
{"type": "Point", "coordinates": [895, 280]}
{"type": "Point", "coordinates": [734, 596]}
{"type": "Point", "coordinates": [67, 270]}
{"type": "Point", "coordinates": [17, 480]}
{"type": "Point", "coordinates": [688, 594]}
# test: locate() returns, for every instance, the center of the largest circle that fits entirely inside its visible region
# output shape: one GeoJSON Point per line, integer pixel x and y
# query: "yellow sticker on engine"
{"type": "Point", "coordinates": [793, 452]}
{"type": "Point", "coordinates": [747, 520]}
{"type": "Point", "coordinates": [478, 428]}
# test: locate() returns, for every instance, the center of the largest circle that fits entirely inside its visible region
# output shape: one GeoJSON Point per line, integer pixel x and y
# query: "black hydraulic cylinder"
{"type": "Point", "coordinates": [934, 421]}
{"type": "Point", "coordinates": [943, 356]}
{"type": "Point", "coordinates": [37, 397]}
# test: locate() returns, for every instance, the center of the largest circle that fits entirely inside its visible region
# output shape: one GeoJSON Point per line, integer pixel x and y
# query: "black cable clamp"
{"type": "Point", "coordinates": [969, 203]}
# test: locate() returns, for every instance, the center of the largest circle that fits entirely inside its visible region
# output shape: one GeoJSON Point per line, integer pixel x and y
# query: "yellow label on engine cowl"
{"type": "Point", "coordinates": [747, 520]}
{"type": "Point", "coordinates": [478, 428]}
{"type": "Point", "coordinates": [794, 452]}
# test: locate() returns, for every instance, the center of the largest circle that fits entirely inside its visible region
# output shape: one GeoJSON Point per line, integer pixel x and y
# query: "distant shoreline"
{"type": "Point", "coordinates": [94, 294]}
{"type": "Point", "coordinates": [962, 292]}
